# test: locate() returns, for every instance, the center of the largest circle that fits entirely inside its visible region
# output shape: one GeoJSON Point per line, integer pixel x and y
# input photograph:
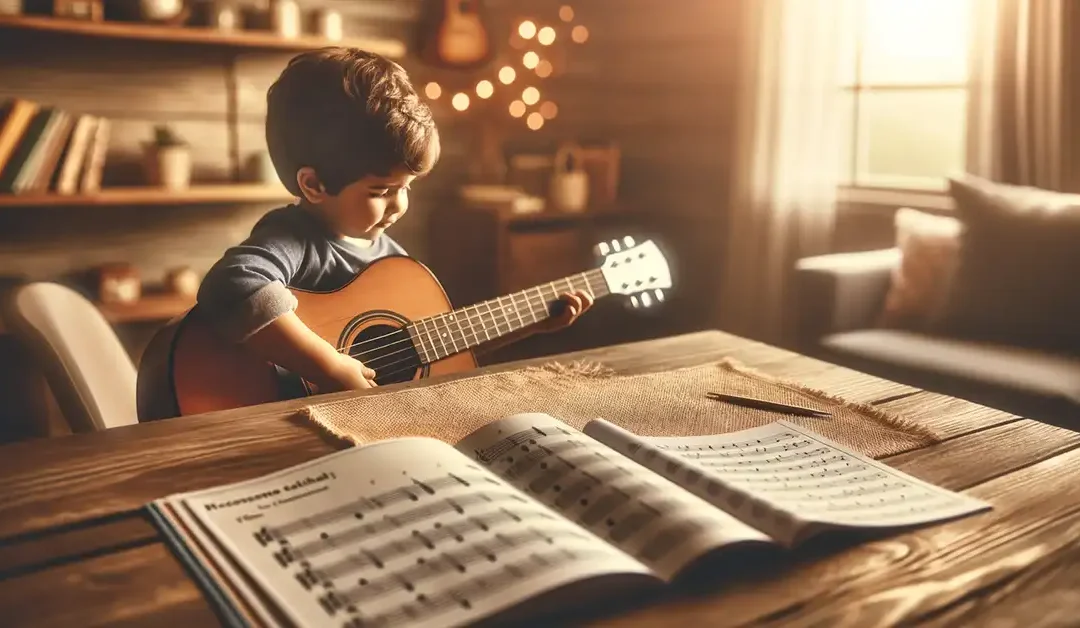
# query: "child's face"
{"type": "Point", "coordinates": [365, 208]}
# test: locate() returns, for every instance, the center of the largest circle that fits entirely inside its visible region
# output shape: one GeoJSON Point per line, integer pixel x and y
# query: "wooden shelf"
{"type": "Point", "coordinates": [151, 307]}
{"type": "Point", "coordinates": [195, 195]}
{"type": "Point", "coordinates": [260, 40]}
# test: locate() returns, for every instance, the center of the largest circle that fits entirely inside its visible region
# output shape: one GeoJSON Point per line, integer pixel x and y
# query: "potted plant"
{"type": "Point", "coordinates": [167, 160]}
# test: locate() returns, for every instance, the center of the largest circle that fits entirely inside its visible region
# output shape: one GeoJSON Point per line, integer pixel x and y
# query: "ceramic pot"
{"type": "Point", "coordinates": [569, 186]}
{"type": "Point", "coordinates": [168, 166]}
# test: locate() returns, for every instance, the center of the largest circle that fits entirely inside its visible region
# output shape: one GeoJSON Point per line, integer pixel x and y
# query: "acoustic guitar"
{"type": "Point", "coordinates": [455, 35]}
{"type": "Point", "coordinates": [394, 317]}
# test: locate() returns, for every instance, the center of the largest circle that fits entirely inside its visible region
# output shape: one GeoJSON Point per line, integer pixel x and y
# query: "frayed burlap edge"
{"type": "Point", "coordinates": [597, 370]}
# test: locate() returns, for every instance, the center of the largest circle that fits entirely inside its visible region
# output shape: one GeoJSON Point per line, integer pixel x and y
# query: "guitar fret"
{"type": "Point", "coordinates": [415, 336]}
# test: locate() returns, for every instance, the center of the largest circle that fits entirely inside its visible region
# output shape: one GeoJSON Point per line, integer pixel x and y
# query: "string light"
{"type": "Point", "coordinates": [520, 39]}
{"type": "Point", "coordinates": [549, 110]}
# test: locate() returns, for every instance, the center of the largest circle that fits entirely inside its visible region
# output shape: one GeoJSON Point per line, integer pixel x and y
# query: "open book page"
{"type": "Point", "coordinates": [790, 481]}
{"type": "Point", "coordinates": [638, 511]}
{"type": "Point", "coordinates": [404, 530]}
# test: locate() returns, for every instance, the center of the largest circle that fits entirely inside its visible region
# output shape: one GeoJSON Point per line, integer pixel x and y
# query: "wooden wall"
{"type": "Point", "coordinates": [659, 79]}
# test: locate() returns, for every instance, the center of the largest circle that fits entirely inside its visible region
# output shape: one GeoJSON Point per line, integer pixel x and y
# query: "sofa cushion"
{"type": "Point", "coordinates": [1024, 381]}
{"type": "Point", "coordinates": [919, 284]}
{"type": "Point", "coordinates": [1019, 252]}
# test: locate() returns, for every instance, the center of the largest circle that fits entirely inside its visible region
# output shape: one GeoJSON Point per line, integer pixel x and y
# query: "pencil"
{"type": "Point", "coordinates": [762, 404]}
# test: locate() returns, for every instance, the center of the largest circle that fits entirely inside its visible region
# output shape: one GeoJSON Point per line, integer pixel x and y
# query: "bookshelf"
{"type": "Point", "coordinates": [126, 196]}
{"type": "Point", "coordinates": [150, 307]}
{"type": "Point", "coordinates": [253, 40]}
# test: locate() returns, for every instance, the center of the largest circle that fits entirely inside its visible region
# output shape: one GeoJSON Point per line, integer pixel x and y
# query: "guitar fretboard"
{"type": "Point", "coordinates": [445, 334]}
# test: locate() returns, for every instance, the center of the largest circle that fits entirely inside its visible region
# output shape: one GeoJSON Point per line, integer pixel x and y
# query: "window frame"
{"type": "Point", "coordinates": [850, 189]}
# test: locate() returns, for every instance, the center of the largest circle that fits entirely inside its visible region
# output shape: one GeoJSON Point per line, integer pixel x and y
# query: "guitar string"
{"type": "Point", "coordinates": [410, 358]}
{"type": "Point", "coordinates": [501, 308]}
{"type": "Point", "coordinates": [469, 320]}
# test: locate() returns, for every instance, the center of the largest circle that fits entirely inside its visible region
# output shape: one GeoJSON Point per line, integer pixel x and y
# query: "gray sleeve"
{"type": "Point", "coordinates": [246, 289]}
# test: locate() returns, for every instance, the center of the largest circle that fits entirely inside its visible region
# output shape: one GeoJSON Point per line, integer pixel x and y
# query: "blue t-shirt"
{"type": "Point", "coordinates": [289, 247]}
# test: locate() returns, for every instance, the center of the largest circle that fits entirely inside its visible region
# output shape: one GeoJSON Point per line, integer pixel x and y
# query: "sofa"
{"type": "Point", "coordinates": [996, 320]}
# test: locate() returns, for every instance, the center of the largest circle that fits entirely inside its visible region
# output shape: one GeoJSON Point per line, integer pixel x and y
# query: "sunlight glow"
{"type": "Point", "coordinates": [921, 42]}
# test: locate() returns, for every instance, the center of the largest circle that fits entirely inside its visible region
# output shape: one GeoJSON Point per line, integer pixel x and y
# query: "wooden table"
{"type": "Point", "coordinates": [74, 551]}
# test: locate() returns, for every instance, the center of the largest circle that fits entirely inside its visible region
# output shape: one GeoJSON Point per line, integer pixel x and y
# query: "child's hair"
{"type": "Point", "coordinates": [347, 114]}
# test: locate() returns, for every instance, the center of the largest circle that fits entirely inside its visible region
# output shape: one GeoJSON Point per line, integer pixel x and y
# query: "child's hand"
{"type": "Point", "coordinates": [574, 305]}
{"type": "Point", "coordinates": [348, 373]}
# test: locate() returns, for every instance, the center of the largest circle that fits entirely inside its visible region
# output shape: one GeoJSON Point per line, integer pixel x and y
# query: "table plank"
{"type": "Point", "coordinates": [908, 576]}
{"type": "Point", "coordinates": [140, 586]}
{"type": "Point", "coordinates": [123, 468]}
{"type": "Point", "coordinates": [783, 593]}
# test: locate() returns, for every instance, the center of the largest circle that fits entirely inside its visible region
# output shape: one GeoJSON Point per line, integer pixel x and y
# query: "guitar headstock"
{"type": "Point", "coordinates": [639, 271]}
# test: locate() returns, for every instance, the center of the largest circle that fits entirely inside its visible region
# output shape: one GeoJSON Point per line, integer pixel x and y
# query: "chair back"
{"type": "Point", "coordinates": [88, 369]}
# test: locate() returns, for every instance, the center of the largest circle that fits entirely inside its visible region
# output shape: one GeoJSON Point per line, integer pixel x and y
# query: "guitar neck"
{"type": "Point", "coordinates": [442, 335]}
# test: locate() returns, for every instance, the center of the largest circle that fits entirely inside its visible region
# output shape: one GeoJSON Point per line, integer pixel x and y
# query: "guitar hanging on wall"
{"type": "Point", "coordinates": [454, 34]}
{"type": "Point", "coordinates": [394, 317]}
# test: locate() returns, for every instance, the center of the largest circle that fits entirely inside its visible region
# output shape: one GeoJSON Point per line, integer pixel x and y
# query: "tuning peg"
{"type": "Point", "coordinates": [659, 294]}
{"type": "Point", "coordinates": [646, 300]}
{"type": "Point", "coordinates": [628, 241]}
{"type": "Point", "coordinates": [634, 302]}
{"type": "Point", "coordinates": [615, 246]}
{"type": "Point", "coordinates": [602, 248]}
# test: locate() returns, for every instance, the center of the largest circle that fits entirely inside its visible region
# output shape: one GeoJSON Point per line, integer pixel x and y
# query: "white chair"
{"type": "Point", "coordinates": [90, 373]}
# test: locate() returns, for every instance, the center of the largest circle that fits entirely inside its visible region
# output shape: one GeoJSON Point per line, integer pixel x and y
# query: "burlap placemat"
{"type": "Point", "coordinates": [669, 403]}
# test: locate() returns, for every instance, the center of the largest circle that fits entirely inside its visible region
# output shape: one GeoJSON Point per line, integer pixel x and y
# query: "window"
{"type": "Point", "coordinates": [904, 74]}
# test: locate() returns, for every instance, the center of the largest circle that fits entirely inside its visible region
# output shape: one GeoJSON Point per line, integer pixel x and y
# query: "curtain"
{"type": "Point", "coordinates": [1016, 97]}
{"type": "Point", "coordinates": [787, 164]}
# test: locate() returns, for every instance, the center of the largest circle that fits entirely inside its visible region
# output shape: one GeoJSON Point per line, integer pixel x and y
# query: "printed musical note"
{"type": "Point", "coordinates": [782, 469]}
{"type": "Point", "coordinates": [412, 529]}
{"type": "Point", "coordinates": [604, 492]}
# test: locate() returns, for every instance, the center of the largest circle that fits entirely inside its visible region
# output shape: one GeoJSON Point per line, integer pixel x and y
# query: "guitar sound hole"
{"type": "Point", "coordinates": [388, 350]}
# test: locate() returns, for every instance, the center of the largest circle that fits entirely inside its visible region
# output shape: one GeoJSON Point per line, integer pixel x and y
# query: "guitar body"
{"type": "Point", "coordinates": [188, 369]}
{"type": "Point", "coordinates": [455, 35]}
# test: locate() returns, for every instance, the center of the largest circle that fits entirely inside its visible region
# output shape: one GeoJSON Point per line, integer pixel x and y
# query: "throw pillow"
{"type": "Point", "coordinates": [928, 246]}
{"type": "Point", "coordinates": [1019, 250]}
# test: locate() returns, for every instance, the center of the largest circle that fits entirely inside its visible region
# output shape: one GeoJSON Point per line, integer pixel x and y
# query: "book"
{"type": "Point", "coordinates": [524, 516]}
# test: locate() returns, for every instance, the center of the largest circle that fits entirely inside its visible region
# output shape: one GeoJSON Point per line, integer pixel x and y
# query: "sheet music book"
{"type": "Point", "coordinates": [523, 515]}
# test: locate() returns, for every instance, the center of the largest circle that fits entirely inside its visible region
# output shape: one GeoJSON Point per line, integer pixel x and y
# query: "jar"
{"type": "Point", "coordinates": [328, 24]}
{"type": "Point", "coordinates": [285, 18]}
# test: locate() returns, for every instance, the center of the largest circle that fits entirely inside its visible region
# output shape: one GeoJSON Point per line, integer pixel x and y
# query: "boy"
{"type": "Point", "coordinates": [347, 135]}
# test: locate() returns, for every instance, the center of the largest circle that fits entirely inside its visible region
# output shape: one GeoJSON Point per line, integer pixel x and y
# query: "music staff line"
{"type": "Point", "coordinates": [463, 595]}
{"type": "Point", "coordinates": [328, 542]}
{"type": "Point", "coordinates": [366, 505]}
{"type": "Point", "coordinates": [447, 562]}
{"type": "Point", "coordinates": [416, 541]}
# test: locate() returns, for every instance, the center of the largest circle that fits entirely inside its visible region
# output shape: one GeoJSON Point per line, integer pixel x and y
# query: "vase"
{"type": "Point", "coordinates": [168, 166]}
